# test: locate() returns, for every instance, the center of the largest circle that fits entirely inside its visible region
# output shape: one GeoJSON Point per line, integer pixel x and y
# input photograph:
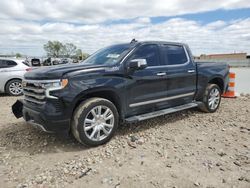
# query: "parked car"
{"type": "Point", "coordinates": [35, 62]}
{"type": "Point", "coordinates": [121, 83]}
{"type": "Point", "coordinates": [11, 75]}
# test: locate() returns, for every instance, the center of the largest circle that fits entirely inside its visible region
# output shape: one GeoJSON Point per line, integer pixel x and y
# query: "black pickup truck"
{"type": "Point", "coordinates": [121, 83]}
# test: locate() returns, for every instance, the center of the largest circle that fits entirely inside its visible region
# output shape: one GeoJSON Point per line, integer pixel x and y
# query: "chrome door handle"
{"type": "Point", "coordinates": [191, 71]}
{"type": "Point", "coordinates": [161, 74]}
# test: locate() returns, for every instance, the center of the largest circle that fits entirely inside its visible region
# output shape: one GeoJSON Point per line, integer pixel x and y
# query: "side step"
{"type": "Point", "coordinates": [160, 112]}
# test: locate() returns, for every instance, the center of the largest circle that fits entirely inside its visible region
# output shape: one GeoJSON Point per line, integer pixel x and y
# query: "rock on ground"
{"type": "Point", "coordinates": [184, 149]}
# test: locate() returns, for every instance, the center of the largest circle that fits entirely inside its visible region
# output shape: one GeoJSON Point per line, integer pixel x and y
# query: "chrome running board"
{"type": "Point", "coordinates": [160, 112]}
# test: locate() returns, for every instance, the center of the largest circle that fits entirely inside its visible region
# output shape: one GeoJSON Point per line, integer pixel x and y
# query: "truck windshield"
{"type": "Point", "coordinates": [108, 56]}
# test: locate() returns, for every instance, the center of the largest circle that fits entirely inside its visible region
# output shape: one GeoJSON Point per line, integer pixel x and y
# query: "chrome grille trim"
{"type": "Point", "coordinates": [34, 89]}
{"type": "Point", "coordinates": [37, 96]}
{"type": "Point", "coordinates": [33, 100]}
{"type": "Point", "coordinates": [34, 92]}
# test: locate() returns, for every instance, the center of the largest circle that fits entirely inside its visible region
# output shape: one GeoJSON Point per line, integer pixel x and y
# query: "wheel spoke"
{"type": "Point", "coordinates": [109, 117]}
{"type": "Point", "coordinates": [99, 110]}
{"type": "Point", "coordinates": [93, 112]}
{"type": "Point", "coordinates": [106, 112]}
{"type": "Point", "coordinates": [89, 121]}
{"type": "Point", "coordinates": [93, 133]}
{"type": "Point", "coordinates": [217, 93]}
{"type": "Point", "coordinates": [214, 105]}
{"type": "Point", "coordinates": [89, 127]}
{"type": "Point", "coordinates": [108, 125]}
{"type": "Point", "coordinates": [98, 134]}
{"type": "Point", "coordinates": [105, 131]}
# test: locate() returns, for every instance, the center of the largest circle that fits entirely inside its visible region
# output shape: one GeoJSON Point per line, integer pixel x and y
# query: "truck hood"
{"type": "Point", "coordinates": [57, 71]}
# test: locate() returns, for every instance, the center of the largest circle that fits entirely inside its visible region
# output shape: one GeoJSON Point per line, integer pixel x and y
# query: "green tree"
{"type": "Point", "coordinates": [54, 48]}
{"type": "Point", "coordinates": [69, 50]}
{"type": "Point", "coordinates": [18, 55]}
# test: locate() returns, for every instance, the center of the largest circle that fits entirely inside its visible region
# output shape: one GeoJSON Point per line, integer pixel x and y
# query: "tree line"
{"type": "Point", "coordinates": [67, 50]}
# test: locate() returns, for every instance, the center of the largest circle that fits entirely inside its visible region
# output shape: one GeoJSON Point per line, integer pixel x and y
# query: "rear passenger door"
{"type": "Point", "coordinates": [6, 67]}
{"type": "Point", "coordinates": [181, 74]}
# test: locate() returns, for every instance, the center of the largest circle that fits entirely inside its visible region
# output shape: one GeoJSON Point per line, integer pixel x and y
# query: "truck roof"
{"type": "Point", "coordinates": [135, 43]}
{"type": "Point", "coordinates": [160, 42]}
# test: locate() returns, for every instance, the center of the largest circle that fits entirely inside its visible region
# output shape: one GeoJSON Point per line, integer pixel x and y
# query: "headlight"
{"type": "Point", "coordinates": [54, 85]}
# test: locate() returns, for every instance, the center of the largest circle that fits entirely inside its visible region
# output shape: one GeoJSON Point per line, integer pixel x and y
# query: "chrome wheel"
{"type": "Point", "coordinates": [214, 98]}
{"type": "Point", "coordinates": [98, 123]}
{"type": "Point", "coordinates": [15, 88]}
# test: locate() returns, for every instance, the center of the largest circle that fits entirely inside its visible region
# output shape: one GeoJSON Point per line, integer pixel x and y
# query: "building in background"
{"type": "Point", "coordinates": [232, 59]}
{"type": "Point", "coordinates": [232, 56]}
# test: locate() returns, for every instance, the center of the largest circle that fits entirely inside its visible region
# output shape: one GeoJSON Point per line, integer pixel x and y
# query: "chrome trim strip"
{"type": "Point", "coordinates": [47, 92]}
{"type": "Point", "coordinates": [161, 100]}
{"type": "Point", "coordinates": [33, 100]}
{"type": "Point", "coordinates": [41, 81]}
{"type": "Point", "coordinates": [37, 125]}
{"type": "Point", "coordinates": [128, 54]}
{"type": "Point", "coordinates": [36, 90]}
{"type": "Point", "coordinates": [34, 95]}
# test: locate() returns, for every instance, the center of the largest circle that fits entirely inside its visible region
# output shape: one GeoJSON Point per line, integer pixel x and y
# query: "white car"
{"type": "Point", "coordinates": [11, 75]}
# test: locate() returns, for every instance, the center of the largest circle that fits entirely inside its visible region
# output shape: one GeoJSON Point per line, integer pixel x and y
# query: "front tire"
{"type": "Point", "coordinates": [95, 121]}
{"type": "Point", "coordinates": [14, 87]}
{"type": "Point", "coordinates": [211, 99]}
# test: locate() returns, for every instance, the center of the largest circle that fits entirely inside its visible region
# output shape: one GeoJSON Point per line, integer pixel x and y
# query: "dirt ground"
{"type": "Point", "coordinates": [185, 149]}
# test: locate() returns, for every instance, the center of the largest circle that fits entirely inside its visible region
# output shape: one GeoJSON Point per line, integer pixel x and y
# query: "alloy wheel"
{"type": "Point", "coordinates": [214, 98]}
{"type": "Point", "coordinates": [15, 88]}
{"type": "Point", "coordinates": [98, 123]}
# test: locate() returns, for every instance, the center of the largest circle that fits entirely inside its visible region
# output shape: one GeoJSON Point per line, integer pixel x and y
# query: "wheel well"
{"type": "Point", "coordinates": [219, 82]}
{"type": "Point", "coordinates": [109, 95]}
{"type": "Point", "coordinates": [5, 89]}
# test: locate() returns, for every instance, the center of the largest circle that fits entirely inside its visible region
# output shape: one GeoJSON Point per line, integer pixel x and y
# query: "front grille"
{"type": "Point", "coordinates": [34, 92]}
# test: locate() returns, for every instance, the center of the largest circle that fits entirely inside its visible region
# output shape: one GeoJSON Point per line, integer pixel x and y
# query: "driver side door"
{"type": "Point", "coordinates": [146, 88]}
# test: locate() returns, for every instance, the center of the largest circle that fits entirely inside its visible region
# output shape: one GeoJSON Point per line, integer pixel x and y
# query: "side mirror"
{"type": "Point", "coordinates": [137, 64]}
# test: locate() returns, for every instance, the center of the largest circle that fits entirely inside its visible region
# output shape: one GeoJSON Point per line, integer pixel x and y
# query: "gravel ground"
{"type": "Point", "coordinates": [185, 149]}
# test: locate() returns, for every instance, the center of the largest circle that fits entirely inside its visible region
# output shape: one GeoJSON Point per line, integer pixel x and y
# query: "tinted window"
{"type": "Point", "coordinates": [7, 64]}
{"type": "Point", "coordinates": [148, 52]}
{"type": "Point", "coordinates": [2, 63]}
{"type": "Point", "coordinates": [174, 55]}
{"type": "Point", "coordinates": [11, 63]}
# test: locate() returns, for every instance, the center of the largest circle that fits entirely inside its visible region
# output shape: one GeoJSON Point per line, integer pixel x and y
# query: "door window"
{"type": "Point", "coordinates": [148, 52]}
{"type": "Point", "coordinates": [174, 54]}
{"type": "Point", "coordinates": [2, 64]}
{"type": "Point", "coordinates": [7, 63]}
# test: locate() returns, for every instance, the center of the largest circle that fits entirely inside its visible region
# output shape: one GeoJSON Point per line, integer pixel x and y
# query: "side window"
{"type": "Point", "coordinates": [11, 63]}
{"type": "Point", "coordinates": [148, 52]}
{"type": "Point", "coordinates": [3, 64]}
{"type": "Point", "coordinates": [174, 55]}
{"type": "Point", "coordinates": [7, 64]}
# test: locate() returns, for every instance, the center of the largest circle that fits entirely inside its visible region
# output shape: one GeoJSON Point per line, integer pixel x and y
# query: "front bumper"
{"type": "Point", "coordinates": [42, 118]}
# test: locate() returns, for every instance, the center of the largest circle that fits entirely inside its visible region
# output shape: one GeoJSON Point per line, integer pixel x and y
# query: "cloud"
{"type": "Point", "coordinates": [28, 24]}
{"type": "Point", "coordinates": [217, 37]}
{"type": "Point", "coordinates": [96, 11]}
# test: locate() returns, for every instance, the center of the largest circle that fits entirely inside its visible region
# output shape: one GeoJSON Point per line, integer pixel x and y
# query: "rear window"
{"type": "Point", "coordinates": [174, 54]}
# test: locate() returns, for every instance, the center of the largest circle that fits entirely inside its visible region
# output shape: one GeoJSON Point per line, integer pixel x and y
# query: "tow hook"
{"type": "Point", "coordinates": [17, 109]}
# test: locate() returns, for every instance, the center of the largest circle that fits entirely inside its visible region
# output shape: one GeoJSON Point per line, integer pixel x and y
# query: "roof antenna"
{"type": "Point", "coordinates": [133, 41]}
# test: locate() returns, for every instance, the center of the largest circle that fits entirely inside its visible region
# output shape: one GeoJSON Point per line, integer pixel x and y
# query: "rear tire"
{"type": "Point", "coordinates": [14, 87]}
{"type": "Point", "coordinates": [95, 121]}
{"type": "Point", "coordinates": [211, 99]}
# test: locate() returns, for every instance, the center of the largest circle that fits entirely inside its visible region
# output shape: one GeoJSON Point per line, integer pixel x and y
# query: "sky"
{"type": "Point", "coordinates": [208, 27]}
